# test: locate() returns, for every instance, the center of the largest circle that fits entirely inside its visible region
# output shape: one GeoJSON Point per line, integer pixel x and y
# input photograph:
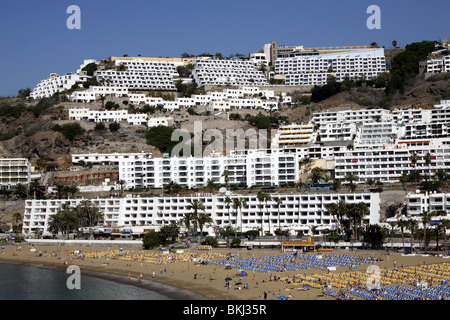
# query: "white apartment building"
{"type": "Point", "coordinates": [424, 130]}
{"type": "Point", "coordinates": [227, 72]}
{"type": "Point", "coordinates": [94, 92]}
{"type": "Point", "coordinates": [162, 67]}
{"type": "Point", "coordinates": [14, 171]}
{"type": "Point", "coordinates": [298, 212]}
{"type": "Point", "coordinates": [416, 203]}
{"type": "Point", "coordinates": [387, 163]}
{"type": "Point", "coordinates": [351, 116]}
{"type": "Point", "coordinates": [136, 119]}
{"type": "Point", "coordinates": [256, 167]}
{"type": "Point", "coordinates": [105, 158]}
{"type": "Point", "coordinates": [55, 83]}
{"type": "Point", "coordinates": [294, 134]}
{"type": "Point", "coordinates": [245, 97]}
{"type": "Point", "coordinates": [134, 80]}
{"type": "Point", "coordinates": [438, 65]}
{"type": "Point", "coordinates": [408, 116]}
{"type": "Point", "coordinates": [441, 112]}
{"type": "Point", "coordinates": [159, 121]}
{"type": "Point", "coordinates": [435, 66]}
{"type": "Point", "coordinates": [140, 75]}
{"type": "Point", "coordinates": [380, 133]}
{"type": "Point", "coordinates": [337, 131]}
{"type": "Point", "coordinates": [352, 65]}
{"type": "Point", "coordinates": [258, 59]}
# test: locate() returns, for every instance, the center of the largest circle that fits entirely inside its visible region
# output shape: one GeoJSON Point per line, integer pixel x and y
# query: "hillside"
{"type": "Point", "coordinates": [32, 137]}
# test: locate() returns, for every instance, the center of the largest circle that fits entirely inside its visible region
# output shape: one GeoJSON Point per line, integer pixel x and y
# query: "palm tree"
{"type": "Point", "coordinates": [61, 191]}
{"type": "Point", "coordinates": [360, 210]}
{"type": "Point", "coordinates": [427, 157]}
{"type": "Point", "coordinates": [196, 206]}
{"type": "Point", "coordinates": [279, 202]}
{"type": "Point", "coordinates": [437, 232]}
{"type": "Point", "coordinates": [211, 185]}
{"type": "Point", "coordinates": [267, 197]}
{"type": "Point", "coordinates": [402, 224]}
{"type": "Point", "coordinates": [317, 175]}
{"type": "Point", "coordinates": [17, 217]}
{"type": "Point", "coordinates": [238, 203]}
{"type": "Point", "coordinates": [102, 99]}
{"type": "Point", "coordinates": [122, 183]}
{"type": "Point", "coordinates": [336, 185]}
{"type": "Point", "coordinates": [21, 190]}
{"type": "Point", "coordinates": [305, 164]}
{"type": "Point", "coordinates": [226, 175]}
{"type": "Point", "coordinates": [392, 224]}
{"type": "Point", "coordinates": [56, 223]}
{"type": "Point", "coordinates": [445, 226]}
{"type": "Point", "coordinates": [351, 178]}
{"type": "Point", "coordinates": [226, 232]}
{"type": "Point", "coordinates": [172, 187]}
{"type": "Point", "coordinates": [228, 202]}
{"type": "Point", "coordinates": [404, 179]}
{"type": "Point", "coordinates": [204, 219]}
{"type": "Point", "coordinates": [415, 175]}
{"type": "Point", "coordinates": [261, 196]}
{"type": "Point", "coordinates": [187, 218]}
{"type": "Point", "coordinates": [90, 214]}
{"type": "Point", "coordinates": [338, 211]}
{"type": "Point", "coordinates": [73, 190]}
{"type": "Point", "coordinates": [442, 177]}
{"type": "Point", "coordinates": [426, 218]}
{"type": "Point", "coordinates": [412, 226]}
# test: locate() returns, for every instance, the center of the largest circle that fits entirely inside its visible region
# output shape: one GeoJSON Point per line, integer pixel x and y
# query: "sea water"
{"type": "Point", "coordinates": [23, 282]}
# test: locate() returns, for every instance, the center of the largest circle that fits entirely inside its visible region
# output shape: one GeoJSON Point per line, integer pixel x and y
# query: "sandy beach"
{"type": "Point", "coordinates": [208, 280]}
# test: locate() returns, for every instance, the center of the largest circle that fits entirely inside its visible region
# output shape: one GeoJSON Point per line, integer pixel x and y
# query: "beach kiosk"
{"type": "Point", "coordinates": [304, 245]}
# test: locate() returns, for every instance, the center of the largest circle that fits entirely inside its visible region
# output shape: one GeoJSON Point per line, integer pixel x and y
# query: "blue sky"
{"type": "Point", "coordinates": [36, 42]}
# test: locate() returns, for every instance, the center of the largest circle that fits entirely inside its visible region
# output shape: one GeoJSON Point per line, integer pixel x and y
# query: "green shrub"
{"type": "Point", "coordinates": [69, 130]}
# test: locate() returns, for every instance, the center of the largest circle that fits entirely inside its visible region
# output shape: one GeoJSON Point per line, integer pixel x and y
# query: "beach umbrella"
{"type": "Point", "coordinates": [282, 297]}
{"type": "Point", "coordinates": [228, 279]}
{"type": "Point", "coordinates": [243, 274]}
{"type": "Point", "coordinates": [238, 283]}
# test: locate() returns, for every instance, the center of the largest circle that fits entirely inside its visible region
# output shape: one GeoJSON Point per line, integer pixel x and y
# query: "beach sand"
{"type": "Point", "coordinates": [207, 280]}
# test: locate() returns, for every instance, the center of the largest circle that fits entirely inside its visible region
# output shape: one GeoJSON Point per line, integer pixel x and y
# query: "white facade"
{"type": "Point", "coordinates": [298, 212]}
{"type": "Point", "coordinates": [94, 92]}
{"type": "Point", "coordinates": [159, 121]}
{"type": "Point", "coordinates": [257, 167]}
{"type": "Point", "coordinates": [377, 133]}
{"type": "Point", "coordinates": [351, 116]}
{"type": "Point", "coordinates": [140, 75]}
{"type": "Point", "coordinates": [416, 203]}
{"type": "Point", "coordinates": [53, 84]}
{"type": "Point", "coordinates": [294, 134]}
{"type": "Point", "coordinates": [337, 131]}
{"type": "Point", "coordinates": [388, 163]}
{"type": "Point", "coordinates": [105, 158]}
{"type": "Point", "coordinates": [144, 119]}
{"type": "Point", "coordinates": [245, 97]}
{"type": "Point", "coordinates": [438, 65]}
{"type": "Point", "coordinates": [315, 69]}
{"type": "Point", "coordinates": [14, 171]}
{"type": "Point", "coordinates": [227, 72]}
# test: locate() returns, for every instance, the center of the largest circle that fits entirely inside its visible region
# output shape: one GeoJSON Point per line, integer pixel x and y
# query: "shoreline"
{"type": "Point", "coordinates": [183, 280]}
{"type": "Point", "coordinates": [169, 291]}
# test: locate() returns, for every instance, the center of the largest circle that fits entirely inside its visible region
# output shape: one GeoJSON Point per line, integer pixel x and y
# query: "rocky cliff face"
{"type": "Point", "coordinates": [45, 144]}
